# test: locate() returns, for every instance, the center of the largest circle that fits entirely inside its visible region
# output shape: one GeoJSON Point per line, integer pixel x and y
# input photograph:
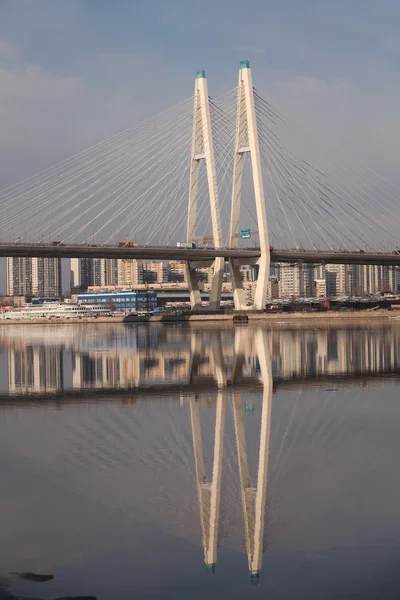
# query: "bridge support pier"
{"type": "Point", "coordinates": [237, 285]}
{"type": "Point", "coordinates": [216, 287]}
{"type": "Point", "coordinates": [194, 292]}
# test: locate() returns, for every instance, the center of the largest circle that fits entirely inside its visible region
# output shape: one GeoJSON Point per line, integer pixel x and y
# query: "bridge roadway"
{"type": "Point", "coordinates": [196, 254]}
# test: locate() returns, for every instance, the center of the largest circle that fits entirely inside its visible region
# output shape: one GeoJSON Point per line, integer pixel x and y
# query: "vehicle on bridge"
{"type": "Point", "coordinates": [185, 245]}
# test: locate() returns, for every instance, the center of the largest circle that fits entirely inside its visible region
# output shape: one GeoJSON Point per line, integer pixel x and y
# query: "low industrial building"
{"type": "Point", "coordinates": [127, 300]}
{"type": "Point", "coordinates": [16, 301]}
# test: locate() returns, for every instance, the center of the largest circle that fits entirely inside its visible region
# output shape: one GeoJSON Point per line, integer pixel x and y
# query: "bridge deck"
{"type": "Point", "coordinates": [196, 254]}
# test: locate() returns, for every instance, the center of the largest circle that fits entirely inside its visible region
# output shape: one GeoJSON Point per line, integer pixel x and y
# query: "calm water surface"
{"type": "Point", "coordinates": [181, 462]}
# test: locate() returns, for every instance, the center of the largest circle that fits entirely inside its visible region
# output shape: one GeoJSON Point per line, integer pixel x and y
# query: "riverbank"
{"type": "Point", "coordinates": [363, 316]}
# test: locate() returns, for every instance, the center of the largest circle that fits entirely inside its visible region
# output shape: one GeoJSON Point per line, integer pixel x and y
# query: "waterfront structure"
{"type": "Point", "coordinates": [289, 281]}
{"type": "Point", "coordinates": [82, 273]}
{"type": "Point", "coordinates": [394, 278]}
{"type": "Point", "coordinates": [19, 276]}
{"type": "Point", "coordinates": [273, 288]}
{"type": "Point", "coordinates": [331, 285]}
{"type": "Point", "coordinates": [177, 272]}
{"type": "Point", "coordinates": [369, 279]}
{"type": "Point", "coordinates": [336, 280]}
{"type": "Point", "coordinates": [108, 271]}
{"type": "Point", "coordinates": [46, 277]}
{"type": "Point", "coordinates": [331, 280]}
{"type": "Point", "coordinates": [307, 281]}
{"type": "Point", "coordinates": [87, 272]}
{"type": "Point", "coordinates": [137, 272]}
{"type": "Point", "coordinates": [34, 277]}
{"type": "Point", "coordinates": [52, 309]}
{"type": "Point", "coordinates": [250, 272]}
{"type": "Point", "coordinates": [320, 288]}
{"type": "Point", "coordinates": [16, 301]}
{"type": "Point", "coordinates": [129, 273]}
{"type": "Point", "coordinates": [145, 301]}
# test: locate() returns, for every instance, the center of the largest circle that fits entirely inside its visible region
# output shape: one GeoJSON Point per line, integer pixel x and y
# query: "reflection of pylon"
{"type": "Point", "coordinates": [253, 498]}
{"type": "Point", "coordinates": [209, 493]}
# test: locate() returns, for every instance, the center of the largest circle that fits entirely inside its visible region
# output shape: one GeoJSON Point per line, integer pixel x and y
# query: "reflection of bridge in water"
{"type": "Point", "coordinates": [74, 362]}
{"type": "Point", "coordinates": [218, 364]}
{"type": "Point", "coordinates": [253, 497]}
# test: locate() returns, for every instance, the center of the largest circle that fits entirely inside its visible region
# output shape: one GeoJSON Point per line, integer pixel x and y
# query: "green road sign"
{"type": "Point", "coordinates": [245, 234]}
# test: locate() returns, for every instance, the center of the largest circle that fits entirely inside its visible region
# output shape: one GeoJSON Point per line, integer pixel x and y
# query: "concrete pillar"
{"type": "Point", "coordinates": [246, 121]}
{"type": "Point", "coordinates": [237, 285]}
{"type": "Point", "coordinates": [194, 292]}
{"type": "Point", "coordinates": [202, 149]}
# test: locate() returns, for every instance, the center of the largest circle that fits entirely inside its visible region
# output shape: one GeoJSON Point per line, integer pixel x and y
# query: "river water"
{"type": "Point", "coordinates": [178, 462]}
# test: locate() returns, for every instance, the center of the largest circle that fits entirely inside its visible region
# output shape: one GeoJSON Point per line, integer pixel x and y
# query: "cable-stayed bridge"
{"type": "Point", "coordinates": [231, 177]}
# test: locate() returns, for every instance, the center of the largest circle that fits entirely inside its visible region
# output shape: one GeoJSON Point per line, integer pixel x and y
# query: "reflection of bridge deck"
{"type": "Point", "coordinates": [200, 388]}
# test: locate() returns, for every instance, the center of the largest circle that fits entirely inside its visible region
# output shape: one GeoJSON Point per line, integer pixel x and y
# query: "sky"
{"type": "Point", "coordinates": [73, 72]}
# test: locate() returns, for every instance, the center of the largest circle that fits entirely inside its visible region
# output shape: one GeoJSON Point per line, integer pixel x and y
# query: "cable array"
{"type": "Point", "coordinates": [317, 200]}
{"type": "Point", "coordinates": [125, 187]}
{"type": "Point", "coordinates": [134, 187]}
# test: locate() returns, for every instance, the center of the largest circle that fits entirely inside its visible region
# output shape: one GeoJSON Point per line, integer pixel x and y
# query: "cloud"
{"type": "Point", "coordinates": [37, 109]}
{"type": "Point", "coordinates": [344, 114]}
{"type": "Point", "coordinates": [47, 116]}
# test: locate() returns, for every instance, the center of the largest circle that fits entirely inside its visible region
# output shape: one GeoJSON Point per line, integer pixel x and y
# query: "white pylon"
{"type": "Point", "coordinates": [202, 149]}
{"type": "Point", "coordinates": [247, 141]}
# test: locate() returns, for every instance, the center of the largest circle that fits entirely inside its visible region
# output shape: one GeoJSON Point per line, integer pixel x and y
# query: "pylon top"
{"type": "Point", "coordinates": [200, 75]}
{"type": "Point", "coordinates": [245, 64]}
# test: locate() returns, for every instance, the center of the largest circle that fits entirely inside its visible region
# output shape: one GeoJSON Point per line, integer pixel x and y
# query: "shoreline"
{"type": "Point", "coordinates": [377, 316]}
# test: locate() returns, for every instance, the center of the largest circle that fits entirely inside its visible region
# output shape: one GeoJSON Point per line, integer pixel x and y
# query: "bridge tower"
{"type": "Point", "coordinates": [247, 142]}
{"type": "Point", "coordinates": [202, 149]}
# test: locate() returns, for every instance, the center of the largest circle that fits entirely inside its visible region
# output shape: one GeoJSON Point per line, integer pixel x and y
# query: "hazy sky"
{"type": "Point", "coordinates": [73, 72]}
